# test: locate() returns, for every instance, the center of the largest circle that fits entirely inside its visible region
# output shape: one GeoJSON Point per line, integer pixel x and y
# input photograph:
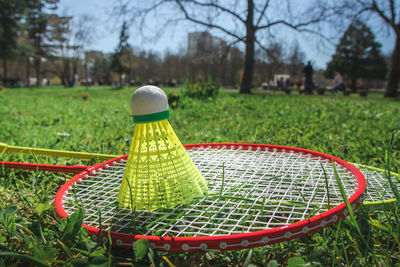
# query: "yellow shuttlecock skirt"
{"type": "Point", "coordinates": [159, 173]}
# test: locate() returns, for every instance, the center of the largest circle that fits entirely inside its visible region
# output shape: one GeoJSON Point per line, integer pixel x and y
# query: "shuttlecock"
{"type": "Point", "coordinates": [159, 173]}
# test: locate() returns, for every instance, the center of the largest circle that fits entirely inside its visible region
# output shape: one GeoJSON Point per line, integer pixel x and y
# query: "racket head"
{"type": "Point", "coordinates": [285, 164]}
{"type": "Point", "coordinates": [378, 191]}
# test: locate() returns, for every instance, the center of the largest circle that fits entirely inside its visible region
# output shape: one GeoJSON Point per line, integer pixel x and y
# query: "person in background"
{"type": "Point", "coordinates": [308, 73]}
{"type": "Point", "coordinates": [299, 84]}
{"type": "Point", "coordinates": [289, 85]}
{"type": "Point", "coordinates": [338, 81]}
{"type": "Point", "coordinates": [281, 84]}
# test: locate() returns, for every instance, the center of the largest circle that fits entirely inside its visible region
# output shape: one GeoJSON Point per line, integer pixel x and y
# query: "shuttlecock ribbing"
{"type": "Point", "coordinates": [159, 173]}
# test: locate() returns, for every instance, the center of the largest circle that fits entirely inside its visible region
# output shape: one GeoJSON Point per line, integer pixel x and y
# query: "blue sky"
{"type": "Point", "coordinates": [175, 40]}
{"type": "Point", "coordinates": [108, 28]}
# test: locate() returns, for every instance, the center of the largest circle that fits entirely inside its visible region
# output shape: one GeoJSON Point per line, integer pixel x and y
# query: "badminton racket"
{"type": "Point", "coordinates": [378, 191]}
{"type": "Point", "coordinates": [259, 195]}
{"type": "Point", "coordinates": [43, 167]}
{"type": "Point", "coordinates": [52, 152]}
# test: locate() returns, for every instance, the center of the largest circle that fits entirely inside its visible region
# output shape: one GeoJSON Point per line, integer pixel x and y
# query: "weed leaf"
{"type": "Point", "coordinates": [42, 207]}
{"type": "Point", "coordinates": [272, 263]}
{"type": "Point", "coordinates": [99, 260]}
{"type": "Point", "coordinates": [248, 258]}
{"type": "Point", "coordinates": [25, 258]}
{"type": "Point", "coordinates": [140, 247]}
{"type": "Point", "coordinates": [73, 226]}
{"type": "Point", "coordinates": [80, 263]}
{"type": "Point", "coordinates": [296, 262]}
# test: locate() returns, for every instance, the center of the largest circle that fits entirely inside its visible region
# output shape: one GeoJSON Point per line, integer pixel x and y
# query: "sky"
{"type": "Point", "coordinates": [175, 39]}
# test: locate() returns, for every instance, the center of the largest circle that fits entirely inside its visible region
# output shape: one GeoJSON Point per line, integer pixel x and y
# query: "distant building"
{"type": "Point", "coordinates": [203, 44]}
{"type": "Point", "coordinates": [279, 77]}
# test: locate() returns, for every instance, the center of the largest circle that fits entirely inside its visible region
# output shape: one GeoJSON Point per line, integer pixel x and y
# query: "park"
{"type": "Point", "coordinates": [248, 110]}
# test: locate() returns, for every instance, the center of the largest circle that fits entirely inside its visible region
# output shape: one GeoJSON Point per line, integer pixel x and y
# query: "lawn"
{"type": "Point", "coordinates": [98, 120]}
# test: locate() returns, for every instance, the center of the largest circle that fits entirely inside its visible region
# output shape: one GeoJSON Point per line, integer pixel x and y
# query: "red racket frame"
{"type": "Point", "coordinates": [227, 242]}
{"type": "Point", "coordinates": [43, 167]}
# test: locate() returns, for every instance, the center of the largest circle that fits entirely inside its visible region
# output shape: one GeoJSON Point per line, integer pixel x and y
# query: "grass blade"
{"type": "Point", "coordinates": [348, 206]}
{"type": "Point", "coordinates": [25, 258]}
{"type": "Point", "coordinates": [389, 155]}
{"type": "Point", "coordinates": [327, 187]}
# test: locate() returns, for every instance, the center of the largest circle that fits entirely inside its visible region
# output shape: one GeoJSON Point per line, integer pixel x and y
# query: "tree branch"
{"type": "Point", "coordinates": [228, 47]}
{"type": "Point", "coordinates": [207, 24]}
{"type": "Point", "coordinates": [380, 12]}
{"type": "Point", "coordinates": [214, 5]}
{"type": "Point", "coordinates": [146, 11]}
{"type": "Point", "coordinates": [268, 52]}
{"type": "Point", "coordinates": [290, 25]}
{"type": "Point", "coordinates": [393, 12]}
{"type": "Point", "coordinates": [262, 13]}
{"type": "Point", "coordinates": [313, 32]}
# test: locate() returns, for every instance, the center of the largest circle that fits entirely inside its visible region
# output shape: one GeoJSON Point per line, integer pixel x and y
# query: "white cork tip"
{"type": "Point", "coordinates": [148, 99]}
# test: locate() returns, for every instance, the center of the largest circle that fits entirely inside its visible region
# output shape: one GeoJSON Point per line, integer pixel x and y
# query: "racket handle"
{"type": "Point", "coordinates": [42, 167]}
{"type": "Point", "coordinates": [52, 152]}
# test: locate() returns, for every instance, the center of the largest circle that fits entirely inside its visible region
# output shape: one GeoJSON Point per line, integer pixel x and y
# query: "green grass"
{"type": "Point", "coordinates": [98, 120]}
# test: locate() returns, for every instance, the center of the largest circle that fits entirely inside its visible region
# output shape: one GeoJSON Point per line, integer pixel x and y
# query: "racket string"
{"type": "Point", "coordinates": [261, 190]}
{"type": "Point", "coordinates": [378, 188]}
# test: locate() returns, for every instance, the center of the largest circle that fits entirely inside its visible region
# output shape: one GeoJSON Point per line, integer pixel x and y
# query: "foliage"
{"type": "Point", "coordinates": [69, 36]}
{"type": "Point", "coordinates": [244, 22]}
{"type": "Point", "coordinates": [117, 63]}
{"type": "Point", "coordinates": [173, 100]}
{"type": "Point", "coordinates": [358, 55]}
{"type": "Point", "coordinates": [101, 70]}
{"type": "Point", "coordinates": [357, 130]}
{"type": "Point", "coordinates": [201, 90]}
{"type": "Point", "coordinates": [38, 33]}
{"type": "Point", "coordinates": [11, 12]}
{"type": "Point", "coordinates": [386, 11]}
{"type": "Point", "coordinates": [295, 60]}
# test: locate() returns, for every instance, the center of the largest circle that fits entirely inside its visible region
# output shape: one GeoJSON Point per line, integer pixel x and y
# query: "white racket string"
{"type": "Point", "coordinates": [378, 188]}
{"type": "Point", "coordinates": [248, 191]}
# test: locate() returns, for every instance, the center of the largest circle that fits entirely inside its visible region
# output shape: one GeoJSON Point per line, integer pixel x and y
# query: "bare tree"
{"type": "Point", "coordinates": [70, 36]}
{"type": "Point", "coordinates": [269, 61]}
{"type": "Point", "coordinates": [242, 22]}
{"type": "Point", "coordinates": [172, 66]}
{"type": "Point", "coordinates": [295, 60]}
{"type": "Point", "coordinates": [121, 51]}
{"type": "Point", "coordinates": [38, 33]}
{"type": "Point", "coordinates": [388, 11]}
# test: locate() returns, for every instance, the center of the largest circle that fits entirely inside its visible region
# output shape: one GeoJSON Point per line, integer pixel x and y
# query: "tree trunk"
{"type": "Point", "coordinates": [75, 72]}
{"type": "Point", "coordinates": [36, 63]}
{"type": "Point", "coordinates": [354, 85]}
{"type": "Point", "coordinates": [27, 71]}
{"type": "Point", "coordinates": [4, 70]}
{"type": "Point", "coordinates": [247, 80]}
{"type": "Point", "coordinates": [68, 79]}
{"type": "Point", "coordinates": [394, 75]}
